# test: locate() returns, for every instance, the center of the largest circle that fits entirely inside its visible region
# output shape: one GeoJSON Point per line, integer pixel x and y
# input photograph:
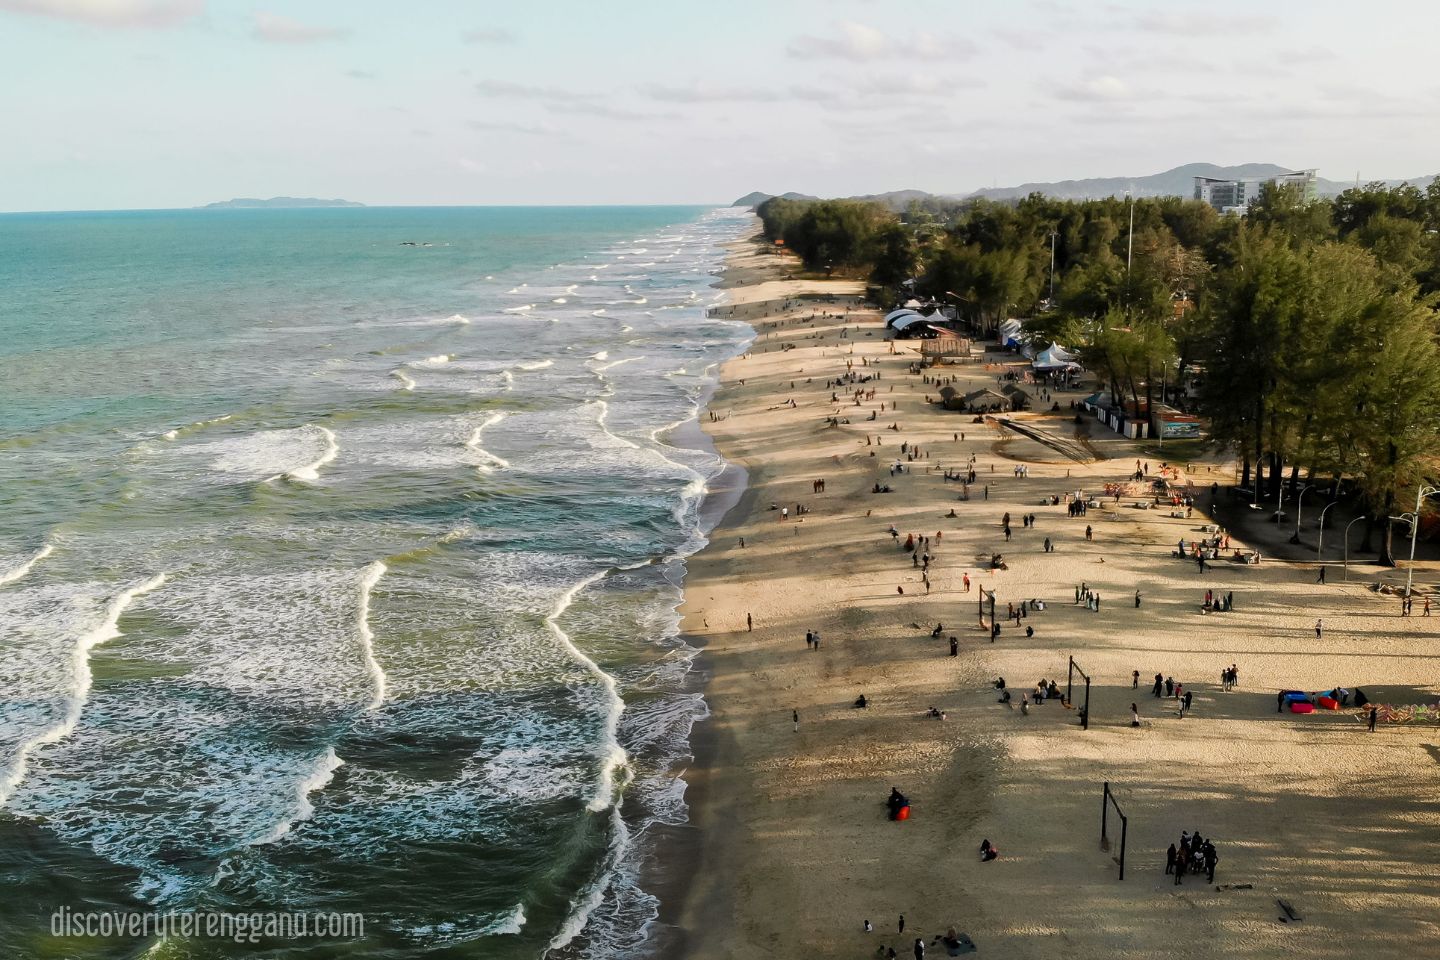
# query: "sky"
{"type": "Point", "coordinates": [126, 104]}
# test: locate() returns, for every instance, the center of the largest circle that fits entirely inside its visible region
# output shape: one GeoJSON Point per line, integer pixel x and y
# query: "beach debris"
{"type": "Point", "coordinates": [1290, 915]}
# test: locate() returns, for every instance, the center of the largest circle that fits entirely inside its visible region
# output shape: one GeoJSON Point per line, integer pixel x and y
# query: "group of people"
{"type": "Point", "coordinates": [1217, 604]}
{"type": "Point", "coordinates": [1194, 854]}
{"type": "Point", "coordinates": [1091, 598]}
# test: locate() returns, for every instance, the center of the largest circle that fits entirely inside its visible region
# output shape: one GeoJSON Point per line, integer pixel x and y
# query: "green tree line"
{"type": "Point", "coordinates": [1306, 331]}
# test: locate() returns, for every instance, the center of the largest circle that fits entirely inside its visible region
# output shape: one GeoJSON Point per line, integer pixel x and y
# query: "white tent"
{"type": "Point", "coordinates": [1051, 359]}
{"type": "Point", "coordinates": [1059, 352]}
{"type": "Point", "coordinates": [912, 303]}
{"type": "Point", "coordinates": [1010, 331]}
{"type": "Point", "coordinates": [914, 318]}
{"type": "Point", "coordinates": [894, 315]}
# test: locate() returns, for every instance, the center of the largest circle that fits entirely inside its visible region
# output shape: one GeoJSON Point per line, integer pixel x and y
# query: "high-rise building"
{"type": "Point", "coordinates": [1234, 196]}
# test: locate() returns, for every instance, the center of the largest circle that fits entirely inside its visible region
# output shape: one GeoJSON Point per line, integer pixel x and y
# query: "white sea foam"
{"type": "Point", "coordinates": [612, 756]}
{"type": "Point", "coordinates": [25, 566]}
{"type": "Point", "coordinates": [602, 355]}
{"type": "Point", "coordinates": [602, 414]}
{"type": "Point", "coordinates": [509, 923]}
{"type": "Point", "coordinates": [489, 461]}
{"type": "Point", "coordinates": [311, 471]}
{"type": "Point", "coordinates": [526, 308]}
{"type": "Point", "coordinates": [458, 318]}
{"type": "Point", "coordinates": [316, 779]}
{"type": "Point", "coordinates": [81, 679]}
{"type": "Point", "coordinates": [197, 425]}
{"type": "Point", "coordinates": [535, 365]}
{"type": "Point", "coordinates": [405, 382]}
{"type": "Point", "coordinates": [593, 894]}
{"type": "Point", "coordinates": [615, 363]}
{"type": "Point", "coordinates": [368, 579]}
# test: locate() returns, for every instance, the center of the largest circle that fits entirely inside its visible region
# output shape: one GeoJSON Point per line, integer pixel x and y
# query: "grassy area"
{"type": "Point", "coordinates": [1175, 450]}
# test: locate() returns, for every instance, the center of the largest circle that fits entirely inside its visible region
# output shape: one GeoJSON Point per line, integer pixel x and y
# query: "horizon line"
{"type": "Point", "coordinates": [362, 206]}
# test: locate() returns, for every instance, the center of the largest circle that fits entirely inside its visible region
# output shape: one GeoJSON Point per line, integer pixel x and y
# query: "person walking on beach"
{"type": "Point", "coordinates": [1135, 716]}
{"type": "Point", "coordinates": [1134, 679]}
{"type": "Point", "coordinates": [1089, 532]}
{"type": "Point", "coordinates": [1374, 714]}
{"type": "Point", "coordinates": [1170, 859]}
{"type": "Point", "coordinates": [902, 924]}
{"type": "Point", "coordinates": [1321, 578]}
{"type": "Point", "coordinates": [749, 623]}
{"type": "Point", "coordinates": [954, 647]}
{"type": "Point", "coordinates": [1137, 599]}
{"type": "Point", "coordinates": [1159, 681]}
{"type": "Point", "coordinates": [1318, 627]}
{"type": "Point", "coordinates": [795, 716]}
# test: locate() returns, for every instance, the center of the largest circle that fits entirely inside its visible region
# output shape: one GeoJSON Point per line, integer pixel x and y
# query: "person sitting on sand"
{"type": "Point", "coordinates": [1005, 698]}
{"type": "Point", "coordinates": [988, 851]}
{"type": "Point", "coordinates": [896, 802]}
{"type": "Point", "coordinates": [1000, 683]}
{"type": "Point", "coordinates": [861, 703]}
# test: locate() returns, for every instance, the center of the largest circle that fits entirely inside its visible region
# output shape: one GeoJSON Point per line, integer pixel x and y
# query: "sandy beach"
{"type": "Point", "coordinates": [791, 847]}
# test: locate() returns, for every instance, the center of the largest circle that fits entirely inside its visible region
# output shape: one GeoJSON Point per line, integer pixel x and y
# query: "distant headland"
{"type": "Point", "coordinates": [252, 203]}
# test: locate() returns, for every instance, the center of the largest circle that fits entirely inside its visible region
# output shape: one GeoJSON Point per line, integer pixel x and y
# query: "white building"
{"type": "Point", "coordinates": [1234, 196]}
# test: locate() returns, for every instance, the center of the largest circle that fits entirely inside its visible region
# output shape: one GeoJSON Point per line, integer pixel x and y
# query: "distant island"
{"type": "Point", "coordinates": [277, 203]}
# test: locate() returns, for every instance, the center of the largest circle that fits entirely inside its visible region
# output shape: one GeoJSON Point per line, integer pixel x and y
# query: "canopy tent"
{"type": "Point", "coordinates": [908, 321]}
{"type": "Point", "coordinates": [916, 327]}
{"type": "Point", "coordinates": [1054, 358]}
{"type": "Point", "coordinates": [1010, 332]}
{"type": "Point", "coordinates": [911, 303]}
{"type": "Point", "coordinates": [1060, 352]}
{"type": "Point", "coordinates": [894, 315]}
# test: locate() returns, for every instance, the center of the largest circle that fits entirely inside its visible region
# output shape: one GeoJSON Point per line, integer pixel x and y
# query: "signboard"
{"type": "Point", "coordinates": [1180, 430]}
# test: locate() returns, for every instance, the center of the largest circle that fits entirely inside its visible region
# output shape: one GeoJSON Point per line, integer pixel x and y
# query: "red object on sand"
{"type": "Point", "coordinates": [903, 813]}
{"type": "Point", "coordinates": [1329, 703]}
{"type": "Point", "coordinates": [1300, 706]}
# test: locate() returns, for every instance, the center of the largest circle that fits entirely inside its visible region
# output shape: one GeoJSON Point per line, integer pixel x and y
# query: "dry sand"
{"type": "Point", "coordinates": [795, 850]}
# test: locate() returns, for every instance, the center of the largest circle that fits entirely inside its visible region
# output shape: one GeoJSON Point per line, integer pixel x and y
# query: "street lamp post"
{"type": "Point", "coordinates": [1321, 546]}
{"type": "Point", "coordinates": [1299, 507]}
{"type": "Point", "coordinates": [1345, 560]}
{"type": "Point", "coordinates": [1420, 495]}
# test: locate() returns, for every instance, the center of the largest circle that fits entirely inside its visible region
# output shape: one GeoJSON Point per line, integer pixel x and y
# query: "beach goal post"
{"type": "Point", "coordinates": [1070, 692]}
{"type": "Point", "coordinates": [1106, 803]}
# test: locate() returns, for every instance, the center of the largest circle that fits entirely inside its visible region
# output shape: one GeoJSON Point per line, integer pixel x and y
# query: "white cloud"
{"type": "Point", "coordinates": [506, 126]}
{"type": "Point", "coordinates": [110, 13]}
{"type": "Point", "coordinates": [491, 35]}
{"type": "Point", "coordinates": [525, 91]}
{"type": "Point", "coordinates": [1103, 88]}
{"type": "Point", "coordinates": [705, 93]}
{"type": "Point", "coordinates": [1203, 22]}
{"type": "Point", "coordinates": [607, 112]}
{"type": "Point", "coordinates": [859, 43]}
{"type": "Point", "coordinates": [273, 28]}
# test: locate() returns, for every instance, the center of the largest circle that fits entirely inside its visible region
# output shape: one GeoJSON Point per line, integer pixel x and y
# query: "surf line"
{"type": "Point", "coordinates": [82, 678]}
{"type": "Point", "coordinates": [613, 758]}
{"type": "Point", "coordinates": [322, 771]}
{"type": "Point", "coordinates": [15, 573]}
{"type": "Point", "coordinates": [473, 444]}
{"type": "Point", "coordinates": [368, 578]}
{"type": "Point", "coordinates": [311, 471]}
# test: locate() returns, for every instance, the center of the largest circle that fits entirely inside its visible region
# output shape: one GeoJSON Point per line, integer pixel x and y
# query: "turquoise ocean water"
{"type": "Point", "coordinates": [338, 573]}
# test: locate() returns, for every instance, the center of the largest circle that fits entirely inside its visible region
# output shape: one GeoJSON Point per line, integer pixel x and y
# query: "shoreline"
{"type": "Point", "coordinates": [786, 848]}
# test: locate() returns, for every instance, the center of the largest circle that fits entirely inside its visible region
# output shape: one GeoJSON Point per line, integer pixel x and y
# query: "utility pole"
{"type": "Point", "coordinates": [1053, 235]}
{"type": "Point", "coordinates": [1130, 245]}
